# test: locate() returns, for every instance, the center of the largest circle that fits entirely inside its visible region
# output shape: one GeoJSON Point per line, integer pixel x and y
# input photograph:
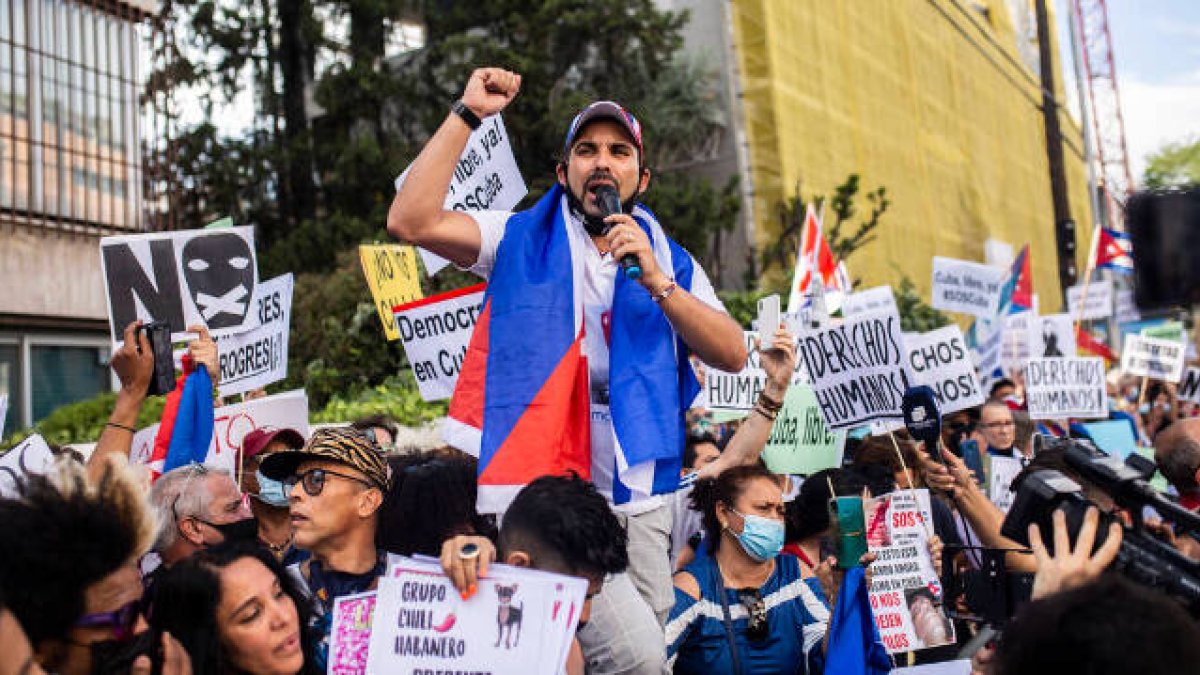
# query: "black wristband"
{"type": "Point", "coordinates": [459, 108]}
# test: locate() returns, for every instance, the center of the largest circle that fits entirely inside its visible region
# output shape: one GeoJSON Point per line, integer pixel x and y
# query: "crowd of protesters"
{"type": "Point", "coordinates": [206, 570]}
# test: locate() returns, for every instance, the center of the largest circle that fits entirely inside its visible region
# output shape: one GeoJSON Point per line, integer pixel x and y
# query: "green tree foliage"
{"type": "Point", "coordinates": [1174, 165]}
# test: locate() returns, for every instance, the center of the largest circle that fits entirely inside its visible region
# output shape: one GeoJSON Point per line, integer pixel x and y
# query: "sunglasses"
{"type": "Point", "coordinates": [313, 481]}
{"type": "Point", "coordinates": [756, 607]}
{"type": "Point", "coordinates": [121, 621]}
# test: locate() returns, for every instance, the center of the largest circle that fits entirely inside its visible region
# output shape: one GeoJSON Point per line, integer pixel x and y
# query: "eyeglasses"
{"type": "Point", "coordinates": [313, 481]}
{"type": "Point", "coordinates": [1000, 425]}
{"type": "Point", "coordinates": [958, 426]}
{"type": "Point", "coordinates": [194, 469]}
{"type": "Point", "coordinates": [756, 607]}
{"type": "Point", "coordinates": [122, 620]}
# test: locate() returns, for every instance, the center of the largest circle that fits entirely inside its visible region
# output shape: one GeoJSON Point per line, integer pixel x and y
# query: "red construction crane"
{"type": "Point", "coordinates": [1114, 180]}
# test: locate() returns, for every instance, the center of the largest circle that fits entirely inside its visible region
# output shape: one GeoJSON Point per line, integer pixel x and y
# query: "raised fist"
{"type": "Point", "coordinates": [490, 90]}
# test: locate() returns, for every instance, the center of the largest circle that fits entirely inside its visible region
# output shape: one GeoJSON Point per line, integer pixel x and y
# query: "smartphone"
{"type": "Point", "coordinates": [768, 320]}
{"type": "Point", "coordinates": [158, 333]}
{"type": "Point", "coordinates": [847, 512]}
{"type": "Point", "coordinates": [969, 450]}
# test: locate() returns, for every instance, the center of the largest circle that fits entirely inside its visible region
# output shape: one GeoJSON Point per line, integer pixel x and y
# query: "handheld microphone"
{"type": "Point", "coordinates": [922, 419]}
{"type": "Point", "coordinates": [610, 202]}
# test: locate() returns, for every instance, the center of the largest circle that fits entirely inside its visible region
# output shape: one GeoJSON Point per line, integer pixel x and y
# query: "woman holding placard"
{"type": "Point", "coordinates": [769, 618]}
{"type": "Point", "coordinates": [235, 610]}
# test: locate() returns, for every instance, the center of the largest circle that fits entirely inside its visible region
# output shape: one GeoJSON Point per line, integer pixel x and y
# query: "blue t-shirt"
{"type": "Point", "coordinates": [797, 619]}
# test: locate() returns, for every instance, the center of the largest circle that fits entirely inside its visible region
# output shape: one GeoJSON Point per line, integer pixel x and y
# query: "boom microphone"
{"type": "Point", "coordinates": [610, 203]}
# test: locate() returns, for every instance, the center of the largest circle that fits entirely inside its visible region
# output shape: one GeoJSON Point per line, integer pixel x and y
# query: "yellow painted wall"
{"type": "Point", "coordinates": [928, 98]}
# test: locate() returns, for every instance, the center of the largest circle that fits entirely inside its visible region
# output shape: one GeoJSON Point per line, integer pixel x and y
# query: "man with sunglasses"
{"type": "Point", "coordinates": [335, 485]}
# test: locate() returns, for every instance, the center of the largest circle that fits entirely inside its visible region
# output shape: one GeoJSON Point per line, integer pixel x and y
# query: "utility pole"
{"type": "Point", "coordinates": [1064, 227]}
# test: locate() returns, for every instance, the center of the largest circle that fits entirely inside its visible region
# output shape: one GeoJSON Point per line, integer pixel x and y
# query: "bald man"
{"type": "Point", "coordinates": [1177, 453]}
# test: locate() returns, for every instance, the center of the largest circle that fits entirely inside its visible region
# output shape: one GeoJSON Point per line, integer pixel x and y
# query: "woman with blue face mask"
{"type": "Point", "coordinates": [743, 608]}
{"type": "Point", "coordinates": [268, 499]}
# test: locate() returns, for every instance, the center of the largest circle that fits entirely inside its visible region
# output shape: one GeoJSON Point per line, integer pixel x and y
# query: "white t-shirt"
{"type": "Point", "coordinates": [599, 282]}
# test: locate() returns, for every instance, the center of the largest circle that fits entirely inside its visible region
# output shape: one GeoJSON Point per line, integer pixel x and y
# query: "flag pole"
{"type": "Point", "coordinates": [1087, 277]}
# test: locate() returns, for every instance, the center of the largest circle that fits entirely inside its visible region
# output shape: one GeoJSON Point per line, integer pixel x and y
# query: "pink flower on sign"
{"type": "Point", "coordinates": [350, 634]}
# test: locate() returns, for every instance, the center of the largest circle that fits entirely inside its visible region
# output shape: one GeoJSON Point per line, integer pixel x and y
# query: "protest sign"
{"type": "Point", "coordinates": [1003, 471]}
{"type": "Point", "coordinates": [967, 287]}
{"type": "Point", "coordinates": [1166, 330]}
{"type": "Point", "coordinates": [1051, 336]}
{"type": "Point", "coordinates": [350, 634]}
{"type": "Point", "coordinates": [486, 178]}
{"type": "Point", "coordinates": [940, 359]}
{"type": "Point", "coordinates": [1189, 385]}
{"type": "Point", "coordinates": [1057, 388]}
{"type": "Point", "coordinates": [391, 271]}
{"type": "Point", "coordinates": [800, 443]}
{"type": "Point", "coordinates": [255, 359]}
{"type": "Point", "coordinates": [986, 355]}
{"type": "Point", "coordinates": [204, 277]}
{"type": "Point", "coordinates": [878, 299]}
{"type": "Point", "coordinates": [857, 369]}
{"type": "Point", "coordinates": [1126, 308]}
{"type": "Point", "coordinates": [1099, 301]}
{"type": "Point", "coordinates": [1153, 357]}
{"type": "Point", "coordinates": [232, 422]}
{"type": "Point", "coordinates": [738, 391]}
{"type": "Point", "coordinates": [29, 457]}
{"type": "Point", "coordinates": [435, 332]}
{"type": "Point", "coordinates": [906, 594]}
{"type": "Point", "coordinates": [1014, 342]}
{"type": "Point", "coordinates": [519, 622]}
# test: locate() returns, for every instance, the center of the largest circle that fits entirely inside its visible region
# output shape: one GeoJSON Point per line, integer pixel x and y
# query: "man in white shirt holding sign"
{"type": "Point", "coordinates": [603, 149]}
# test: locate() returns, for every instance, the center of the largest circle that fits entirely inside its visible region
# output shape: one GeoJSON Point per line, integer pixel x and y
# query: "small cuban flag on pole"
{"type": "Point", "coordinates": [1112, 250]}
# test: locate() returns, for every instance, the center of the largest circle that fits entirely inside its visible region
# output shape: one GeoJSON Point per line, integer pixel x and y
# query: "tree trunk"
{"type": "Point", "coordinates": [296, 66]}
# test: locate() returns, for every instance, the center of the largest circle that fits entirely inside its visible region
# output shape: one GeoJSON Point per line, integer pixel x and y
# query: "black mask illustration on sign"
{"type": "Point", "coordinates": [219, 269]}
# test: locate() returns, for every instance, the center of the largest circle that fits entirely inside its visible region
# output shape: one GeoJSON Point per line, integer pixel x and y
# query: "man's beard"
{"type": "Point", "coordinates": [595, 225]}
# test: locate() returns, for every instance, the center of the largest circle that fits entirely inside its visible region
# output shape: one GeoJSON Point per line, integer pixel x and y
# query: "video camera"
{"type": "Point", "coordinates": [1142, 558]}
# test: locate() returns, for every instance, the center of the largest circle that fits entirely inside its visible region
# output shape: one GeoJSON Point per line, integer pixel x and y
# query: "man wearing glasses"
{"type": "Point", "coordinates": [335, 485]}
{"type": "Point", "coordinates": [999, 429]}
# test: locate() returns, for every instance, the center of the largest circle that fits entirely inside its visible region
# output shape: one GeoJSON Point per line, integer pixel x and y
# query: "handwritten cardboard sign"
{"type": "Point", "coordinates": [436, 332]}
{"type": "Point", "coordinates": [1063, 387]}
{"type": "Point", "coordinates": [800, 443]}
{"type": "Point", "coordinates": [878, 299]}
{"type": "Point", "coordinates": [1153, 357]}
{"type": "Point", "coordinates": [967, 287]}
{"type": "Point", "coordinates": [255, 359]}
{"type": "Point", "coordinates": [520, 621]}
{"type": "Point", "coordinates": [391, 272]}
{"type": "Point", "coordinates": [906, 594]}
{"type": "Point", "coordinates": [738, 391]}
{"type": "Point", "coordinates": [1099, 301]}
{"type": "Point", "coordinates": [857, 369]}
{"type": "Point", "coordinates": [941, 360]}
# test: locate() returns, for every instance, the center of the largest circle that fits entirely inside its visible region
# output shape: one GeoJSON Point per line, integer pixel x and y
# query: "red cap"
{"type": "Point", "coordinates": [256, 441]}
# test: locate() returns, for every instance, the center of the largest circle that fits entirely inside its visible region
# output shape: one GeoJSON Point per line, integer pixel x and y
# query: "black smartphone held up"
{"type": "Point", "coordinates": [158, 333]}
{"type": "Point", "coordinates": [969, 451]}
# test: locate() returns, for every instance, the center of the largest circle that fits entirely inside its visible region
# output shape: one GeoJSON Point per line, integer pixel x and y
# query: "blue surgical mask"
{"type": "Point", "coordinates": [761, 538]}
{"type": "Point", "coordinates": [1144, 408]}
{"type": "Point", "coordinates": [270, 491]}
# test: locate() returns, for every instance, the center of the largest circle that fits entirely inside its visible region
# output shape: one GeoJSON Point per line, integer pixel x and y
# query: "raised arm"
{"type": "Point", "coordinates": [416, 215]}
{"type": "Point", "coordinates": [748, 442]}
{"type": "Point", "coordinates": [134, 365]}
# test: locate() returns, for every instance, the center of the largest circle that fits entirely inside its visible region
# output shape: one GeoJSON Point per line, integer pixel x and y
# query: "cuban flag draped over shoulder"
{"type": "Point", "coordinates": [1112, 250]}
{"type": "Point", "coordinates": [522, 402]}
